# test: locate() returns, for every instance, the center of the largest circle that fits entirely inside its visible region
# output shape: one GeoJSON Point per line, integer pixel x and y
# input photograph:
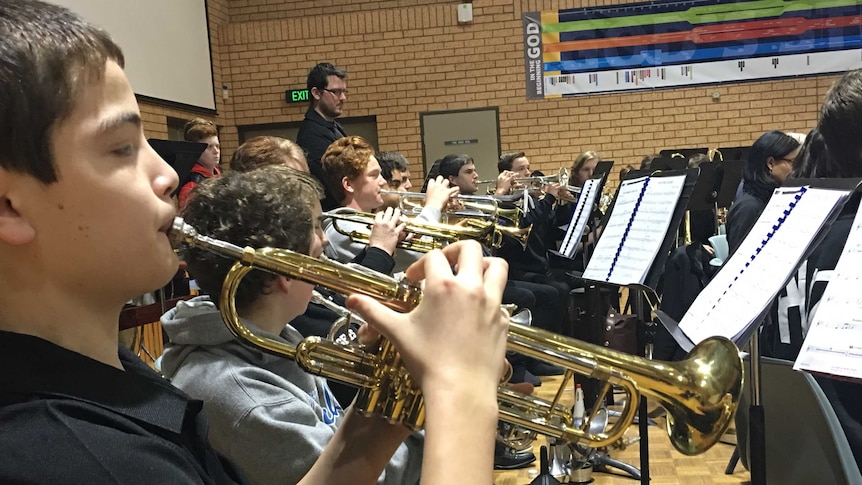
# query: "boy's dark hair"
{"type": "Point", "coordinates": [433, 172]}
{"type": "Point", "coordinates": [775, 144]}
{"type": "Point", "coordinates": [267, 207]}
{"type": "Point", "coordinates": [318, 76]}
{"type": "Point", "coordinates": [450, 165]}
{"type": "Point", "coordinates": [345, 157]}
{"type": "Point", "coordinates": [386, 167]}
{"type": "Point", "coordinates": [47, 54]}
{"type": "Point", "coordinates": [197, 129]}
{"type": "Point", "coordinates": [840, 124]}
{"type": "Point", "coordinates": [507, 159]}
{"type": "Point", "coordinates": [396, 159]}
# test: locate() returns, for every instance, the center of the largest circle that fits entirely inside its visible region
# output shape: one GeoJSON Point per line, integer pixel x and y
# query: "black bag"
{"type": "Point", "coordinates": [620, 332]}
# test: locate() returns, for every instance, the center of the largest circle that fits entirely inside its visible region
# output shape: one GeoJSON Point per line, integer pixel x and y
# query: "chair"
{"type": "Point", "coordinates": [148, 343]}
{"type": "Point", "coordinates": [719, 245]}
{"type": "Point", "coordinates": [805, 443]}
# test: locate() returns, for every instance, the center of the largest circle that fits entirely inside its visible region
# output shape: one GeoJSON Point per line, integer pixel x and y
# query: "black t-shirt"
{"type": "Point", "coordinates": [66, 418]}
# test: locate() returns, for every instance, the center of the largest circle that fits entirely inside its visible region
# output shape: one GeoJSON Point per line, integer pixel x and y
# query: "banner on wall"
{"type": "Point", "coordinates": [663, 44]}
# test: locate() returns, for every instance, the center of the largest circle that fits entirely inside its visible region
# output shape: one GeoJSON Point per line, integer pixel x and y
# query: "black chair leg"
{"type": "Point", "coordinates": [731, 465]}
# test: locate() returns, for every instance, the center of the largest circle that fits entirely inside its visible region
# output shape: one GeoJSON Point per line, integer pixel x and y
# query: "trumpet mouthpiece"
{"type": "Point", "coordinates": [181, 233]}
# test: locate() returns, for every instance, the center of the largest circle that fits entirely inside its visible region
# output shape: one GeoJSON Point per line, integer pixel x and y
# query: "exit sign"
{"type": "Point", "coordinates": [296, 96]}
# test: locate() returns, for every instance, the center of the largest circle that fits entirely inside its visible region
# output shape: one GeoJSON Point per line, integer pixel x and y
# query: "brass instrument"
{"type": "Point", "coordinates": [439, 235]}
{"type": "Point", "coordinates": [536, 182]}
{"type": "Point", "coordinates": [345, 318]}
{"type": "Point", "coordinates": [475, 206]}
{"type": "Point", "coordinates": [700, 393]}
{"type": "Point", "coordinates": [561, 177]}
{"type": "Point", "coordinates": [535, 185]}
{"type": "Point", "coordinates": [432, 235]}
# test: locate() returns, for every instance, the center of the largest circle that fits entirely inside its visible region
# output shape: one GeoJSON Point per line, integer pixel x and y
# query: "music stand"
{"type": "Point", "coordinates": [730, 153]}
{"type": "Point", "coordinates": [757, 435]}
{"type": "Point", "coordinates": [603, 168]}
{"type": "Point", "coordinates": [703, 195]}
{"type": "Point", "coordinates": [557, 255]}
{"type": "Point", "coordinates": [728, 174]}
{"type": "Point", "coordinates": [685, 152]}
{"type": "Point", "coordinates": [642, 293]}
{"type": "Point", "coordinates": [668, 163]}
{"type": "Point", "coordinates": [180, 155]}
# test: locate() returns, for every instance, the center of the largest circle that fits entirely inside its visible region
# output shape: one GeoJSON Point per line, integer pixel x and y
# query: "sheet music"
{"type": "Point", "coordinates": [754, 275]}
{"type": "Point", "coordinates": [580, 216]}
{"type": "Point", "coordinates": [635, 230]}
{"type": "Point", "coordinates": [834, 341]}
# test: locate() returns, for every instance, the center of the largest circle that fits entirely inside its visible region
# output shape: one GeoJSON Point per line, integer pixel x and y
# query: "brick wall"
{"type": "Point", "coordinates": [409, 56]}
{"type": "Point", "coordinates": [253, 10]}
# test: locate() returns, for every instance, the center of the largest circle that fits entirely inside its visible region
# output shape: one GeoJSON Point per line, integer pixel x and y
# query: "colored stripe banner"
{"type": "Point", "coordinates": [672, 43]}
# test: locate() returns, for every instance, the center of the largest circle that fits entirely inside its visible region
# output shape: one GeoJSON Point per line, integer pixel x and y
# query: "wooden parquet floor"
{"type": "Point", "coordinates": [667, 466]}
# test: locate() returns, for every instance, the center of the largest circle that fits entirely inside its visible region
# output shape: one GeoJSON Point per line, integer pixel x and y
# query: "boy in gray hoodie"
{"type": "Point", "coordinates": [266, 414]}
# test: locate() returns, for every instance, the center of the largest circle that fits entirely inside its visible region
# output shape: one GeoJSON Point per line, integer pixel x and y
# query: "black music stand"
{"type": "Point", "coordinates": [731, 153]}
{"type": "Point", "coordinates": [757, 423]}
{"type": "Point", "coordinates": [685, 152]}
{"type": "Point", "coordinates": [643, 294]}
{"type": "Point", "coordinates": [728, 174]}
{"type": "Point", "coordinates": [603, 168]}
{"type": "Point", "coordinates": [703, 196]}
{"type": "Point", "coordinates": [668, 163]}
{"type": "Point", "coordinates": [565, 260]}
{"type": "Point", "coordinates": [180, 155]}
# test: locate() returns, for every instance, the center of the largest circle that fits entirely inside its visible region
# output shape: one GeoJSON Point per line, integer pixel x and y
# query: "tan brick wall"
{"type": "Point", "coordinates": [407, 57]}
{"type": "Point", "coordinates": [254, 10]}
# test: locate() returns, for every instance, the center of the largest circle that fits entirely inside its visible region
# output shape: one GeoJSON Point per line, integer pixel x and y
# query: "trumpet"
{"type": "Point", "coordinates": [342, 326]}
{"type": "Point", "coordinates": [432, 235]}
{"type": "Point", "coordinates": [700, 393]}
{"type": "Point", "coordinates": [472, 206]}
{"type": "Point", "coordinates": [561, 177]}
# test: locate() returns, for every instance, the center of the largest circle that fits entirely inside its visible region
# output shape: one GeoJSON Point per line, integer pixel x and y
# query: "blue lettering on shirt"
{"type": "Point", "coordinates": [331, 410]}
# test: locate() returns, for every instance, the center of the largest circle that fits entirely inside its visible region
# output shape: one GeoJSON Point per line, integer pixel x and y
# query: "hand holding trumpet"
{"type": "Point", "coordinates": [460, 387]}
{"type": "Point", "coordinates": [387, 230]}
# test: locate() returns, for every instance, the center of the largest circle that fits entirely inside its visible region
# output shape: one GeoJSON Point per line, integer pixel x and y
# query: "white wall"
{"type": "Point", "coordinates": [165, 42]}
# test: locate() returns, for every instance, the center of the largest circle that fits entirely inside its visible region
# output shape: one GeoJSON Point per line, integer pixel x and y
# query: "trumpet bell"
{"type": "Point", "coordinates": [700, 393]}
{"type": "Point", "coordinates": [698, 416]}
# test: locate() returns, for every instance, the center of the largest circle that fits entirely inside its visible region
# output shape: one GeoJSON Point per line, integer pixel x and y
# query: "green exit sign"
{"type": "Point", "coordinates": [296, 95]}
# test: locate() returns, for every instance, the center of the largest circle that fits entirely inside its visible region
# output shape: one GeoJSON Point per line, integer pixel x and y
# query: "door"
{"type": "Point", "coordinates": [475, 132]}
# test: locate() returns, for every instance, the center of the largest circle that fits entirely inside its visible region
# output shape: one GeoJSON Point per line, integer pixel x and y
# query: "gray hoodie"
{"type": "Point", "coordinates": [266, 414]}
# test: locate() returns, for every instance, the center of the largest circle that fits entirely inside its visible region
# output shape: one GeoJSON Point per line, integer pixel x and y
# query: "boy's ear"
{"type": "Point", "coordinates": [14, 228]}
{"type": "Point", "coordinates": [346, 185]}
{"type": "Point", "coordinates": [283, 284]}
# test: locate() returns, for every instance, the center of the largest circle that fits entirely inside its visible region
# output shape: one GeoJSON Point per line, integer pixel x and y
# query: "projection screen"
{"type": "Point", "coordinates": [165, 42]}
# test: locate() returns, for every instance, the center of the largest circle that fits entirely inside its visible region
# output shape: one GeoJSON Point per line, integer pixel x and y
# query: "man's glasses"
{"type": "Point", "coordinates": [337, 92]}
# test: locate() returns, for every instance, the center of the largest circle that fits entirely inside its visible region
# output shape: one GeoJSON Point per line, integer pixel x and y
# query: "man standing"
{"type": "Point", "coordinates": [327, 86]}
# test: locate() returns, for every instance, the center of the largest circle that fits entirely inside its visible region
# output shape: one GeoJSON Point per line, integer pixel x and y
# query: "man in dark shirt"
{"type": "Point", "coordinates": [327, 86]}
